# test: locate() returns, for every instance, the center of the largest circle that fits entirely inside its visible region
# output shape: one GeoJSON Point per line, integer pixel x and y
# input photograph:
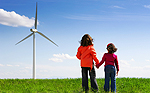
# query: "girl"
{"type": "Point", "coordinates": [86, 53]}
{"type": "Point", "coordinates": [110, 62]}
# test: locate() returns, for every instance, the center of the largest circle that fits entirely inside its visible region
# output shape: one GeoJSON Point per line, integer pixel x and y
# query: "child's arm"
{"type": "Point", "coordinates": [93, 53]}
{"type": "Point", "coordinates": [101, 62]}
{"type": "Point", "coordinates": [116, 63]}
{"type": "Point", "coordinates": [117, 66]}
{"type": "Point", "coordinates": [117, 73]}
{"type": "Point", "coordinates": [78, 55]}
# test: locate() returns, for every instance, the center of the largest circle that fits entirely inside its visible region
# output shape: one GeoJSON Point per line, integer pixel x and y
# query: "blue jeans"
{"type": "Point", "coordinates": [110, 73]}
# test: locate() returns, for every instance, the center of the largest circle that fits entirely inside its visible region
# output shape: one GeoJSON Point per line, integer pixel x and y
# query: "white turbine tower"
{"type": "Point", "coordinates": [33, 33]}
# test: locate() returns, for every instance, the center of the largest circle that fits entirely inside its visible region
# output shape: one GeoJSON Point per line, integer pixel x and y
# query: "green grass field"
{"type": "Point", "coordinates": [124, 85]}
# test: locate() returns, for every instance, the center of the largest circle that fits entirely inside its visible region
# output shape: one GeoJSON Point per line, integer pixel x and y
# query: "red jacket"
{"type": "Point", "coordinates": [87, 54]}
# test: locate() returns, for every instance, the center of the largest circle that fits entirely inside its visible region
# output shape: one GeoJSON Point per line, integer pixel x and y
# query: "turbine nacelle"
{"type": "Point", "coordinates": [33, 30]}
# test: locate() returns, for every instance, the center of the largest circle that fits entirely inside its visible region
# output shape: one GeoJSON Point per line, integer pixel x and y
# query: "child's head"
{"type": "Point", "coordinates": [111, 48]}
{"type": "Point", "coordinates": [86, 40]}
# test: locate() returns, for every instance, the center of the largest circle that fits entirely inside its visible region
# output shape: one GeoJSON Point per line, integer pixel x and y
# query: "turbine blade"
{"type": "Point", "coordinates": [47, 38]}
{"type": "Point", "coordinates": [24, 38]}
{"type": "Point", "coordinates": [36, 17]}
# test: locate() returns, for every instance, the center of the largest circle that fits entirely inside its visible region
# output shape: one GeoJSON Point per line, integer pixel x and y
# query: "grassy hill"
{"type": "Point", "coordinates": [124, 85]}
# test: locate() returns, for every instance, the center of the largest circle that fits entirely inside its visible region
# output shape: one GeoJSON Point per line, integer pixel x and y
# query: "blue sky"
{"type": "Point", "coordinates": [122, 22]}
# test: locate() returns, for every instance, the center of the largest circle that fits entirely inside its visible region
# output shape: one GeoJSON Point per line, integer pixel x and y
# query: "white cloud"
{"type": "Point", "coordinates": [147, 60]}
{"type": "Point", "coordinates": [124, 63]}
{"type": "Point", "coordinates": [134, 71]}
{"type": "Point", "coordinates": [17, 65]}
{"type": "Point", "coordinates": [44, 71]}
{"type": "Point", "coordinates": [71, 71]}
{"type": "Point", "coordinates": [132, 60]}
{"type": "Point", "coordinates": [129, 70]}
{"type": "Point", "coordinates": [61, 57]}
{"type": "Point", "coordinates": [28, 68]}
{"type": "Point", "coordinates": [14, 19]}
{"type": "Point", "coordinates": [47, 71]}
{"type": "Point", "coordinates": [118, 7]}
{"type": "Point", "coordinates": [147, 6]}
{"type": "Point", "coordinates": [56, 60]}
{"type": "Point", "coordinates": [64, 56]}
{"type": "Point", "coordinates": [9, 65]}
{"type": "Point", "coordinates": [1, 65]}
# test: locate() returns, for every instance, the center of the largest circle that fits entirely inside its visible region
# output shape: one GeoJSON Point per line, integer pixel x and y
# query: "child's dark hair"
{"type": "Point", "coordinates": [86, 40]}
{"type": "Point", "coordinates": [111, 48]}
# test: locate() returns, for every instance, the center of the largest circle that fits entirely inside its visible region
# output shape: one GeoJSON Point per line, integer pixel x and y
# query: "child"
{"type": "Point", "coordinates": [110, 62]}
{"type": "Point", "coordinates": [86, 53]}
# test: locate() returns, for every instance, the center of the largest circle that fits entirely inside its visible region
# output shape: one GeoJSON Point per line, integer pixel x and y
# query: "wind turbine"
{"type": "Point", "coordinates": [33, 33]}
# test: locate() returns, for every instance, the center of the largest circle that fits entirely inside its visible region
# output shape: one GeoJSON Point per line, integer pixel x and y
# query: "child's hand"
{"type": "Point", "coordinates": [117, 73]}
{"type": "Point", "coordinates": [97, 66]}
